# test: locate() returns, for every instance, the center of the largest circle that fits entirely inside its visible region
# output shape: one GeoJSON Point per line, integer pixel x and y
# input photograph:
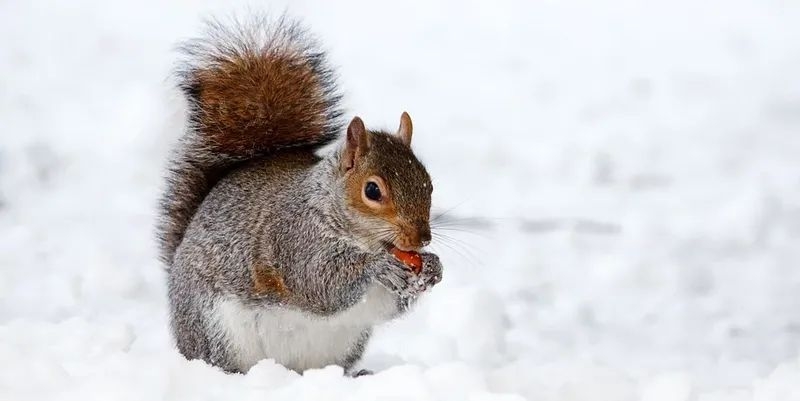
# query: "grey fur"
{"type": "Point", "coordinates": [286, 212]}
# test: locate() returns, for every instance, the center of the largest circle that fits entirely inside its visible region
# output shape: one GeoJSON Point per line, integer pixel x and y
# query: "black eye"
{"type": "Point", "coordinates": [372, 191]}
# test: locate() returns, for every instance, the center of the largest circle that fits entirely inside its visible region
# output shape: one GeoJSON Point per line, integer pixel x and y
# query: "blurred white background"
{"type": "Point", "coordinates": [626, 174]}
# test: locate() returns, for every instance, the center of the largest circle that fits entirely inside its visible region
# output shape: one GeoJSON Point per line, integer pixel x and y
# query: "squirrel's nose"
{"type": "Point", "coordinates": [425, 235]}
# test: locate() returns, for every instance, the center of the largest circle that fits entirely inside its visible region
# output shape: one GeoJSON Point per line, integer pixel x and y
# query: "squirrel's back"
{"type": "Point", "coordinates": [252, 89]}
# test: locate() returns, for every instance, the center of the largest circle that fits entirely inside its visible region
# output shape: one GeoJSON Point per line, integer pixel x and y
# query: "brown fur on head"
{"type": "Point", "coordinates": [387, 187]}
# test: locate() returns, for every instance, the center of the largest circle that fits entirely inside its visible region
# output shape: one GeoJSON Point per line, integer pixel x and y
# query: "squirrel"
{"type": "Point", "coordinates": [273, 251]}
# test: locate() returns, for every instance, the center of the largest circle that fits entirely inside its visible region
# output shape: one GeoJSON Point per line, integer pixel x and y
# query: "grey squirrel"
{"type": "Point", "coordinates": [272, 251]}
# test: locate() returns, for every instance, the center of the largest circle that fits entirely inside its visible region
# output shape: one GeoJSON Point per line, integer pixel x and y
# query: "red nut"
{"type": "Point", "coordinates": [410, 259]}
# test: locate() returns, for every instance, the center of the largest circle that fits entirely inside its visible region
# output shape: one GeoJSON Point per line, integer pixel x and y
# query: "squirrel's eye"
{"type": "Point", "coordinates": [372, 191]}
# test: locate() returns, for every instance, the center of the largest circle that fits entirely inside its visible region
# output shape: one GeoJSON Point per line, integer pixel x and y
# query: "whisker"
{"type": "Point", "coordinates": [460, 230]}
{"type": "Point", "coordinates": [469, 260]}
{"type": "Point", "coordinates": [458, 246]}
{"type": "Point", "coordinates": [454, 242]}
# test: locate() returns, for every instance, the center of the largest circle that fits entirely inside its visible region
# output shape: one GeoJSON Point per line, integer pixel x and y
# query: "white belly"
{"type": "Point", "coordinates": [296, 339]}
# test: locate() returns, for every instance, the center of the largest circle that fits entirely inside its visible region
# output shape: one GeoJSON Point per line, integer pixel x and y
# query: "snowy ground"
{"type": "Point", "coordinates": [629, 175]}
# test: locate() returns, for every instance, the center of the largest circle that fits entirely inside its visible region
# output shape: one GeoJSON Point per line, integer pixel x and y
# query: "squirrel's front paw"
{"type": "Point", "coordinates": [431, 270]}
{"type": "Point", "coordinates": [396, 277]}
{"type": "Point", "coordinates": [401, 280]}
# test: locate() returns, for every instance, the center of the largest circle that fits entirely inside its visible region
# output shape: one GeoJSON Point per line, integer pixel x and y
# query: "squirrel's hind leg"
{"type": "Point", "coordinates": [354, 355]}
{"type": "Point", "coordinates": [191, 328]}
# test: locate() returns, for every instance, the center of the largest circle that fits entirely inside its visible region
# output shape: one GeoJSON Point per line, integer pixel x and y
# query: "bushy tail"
{"type": "Point", "coordinates": [252, 88]}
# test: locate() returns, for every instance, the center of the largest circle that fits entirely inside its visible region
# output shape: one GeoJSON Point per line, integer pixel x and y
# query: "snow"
{"type": "Point", "coordinates": [626, 174]}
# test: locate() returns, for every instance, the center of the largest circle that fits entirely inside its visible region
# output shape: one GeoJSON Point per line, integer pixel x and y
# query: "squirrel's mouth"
{"type": "Point", "coordinates": [388, 246]}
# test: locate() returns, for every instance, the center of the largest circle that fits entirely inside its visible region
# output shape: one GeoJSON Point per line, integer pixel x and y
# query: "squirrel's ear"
{"type": "Point", "coordinates": [356, 144]}
{"type": "Point", "coordinates": [404, 132]}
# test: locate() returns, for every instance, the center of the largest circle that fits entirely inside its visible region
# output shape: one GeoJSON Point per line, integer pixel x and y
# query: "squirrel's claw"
{"type": "Point", "coordinates": [361, 372]}
{"type": "Point", "coordinates": [408, 286]}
